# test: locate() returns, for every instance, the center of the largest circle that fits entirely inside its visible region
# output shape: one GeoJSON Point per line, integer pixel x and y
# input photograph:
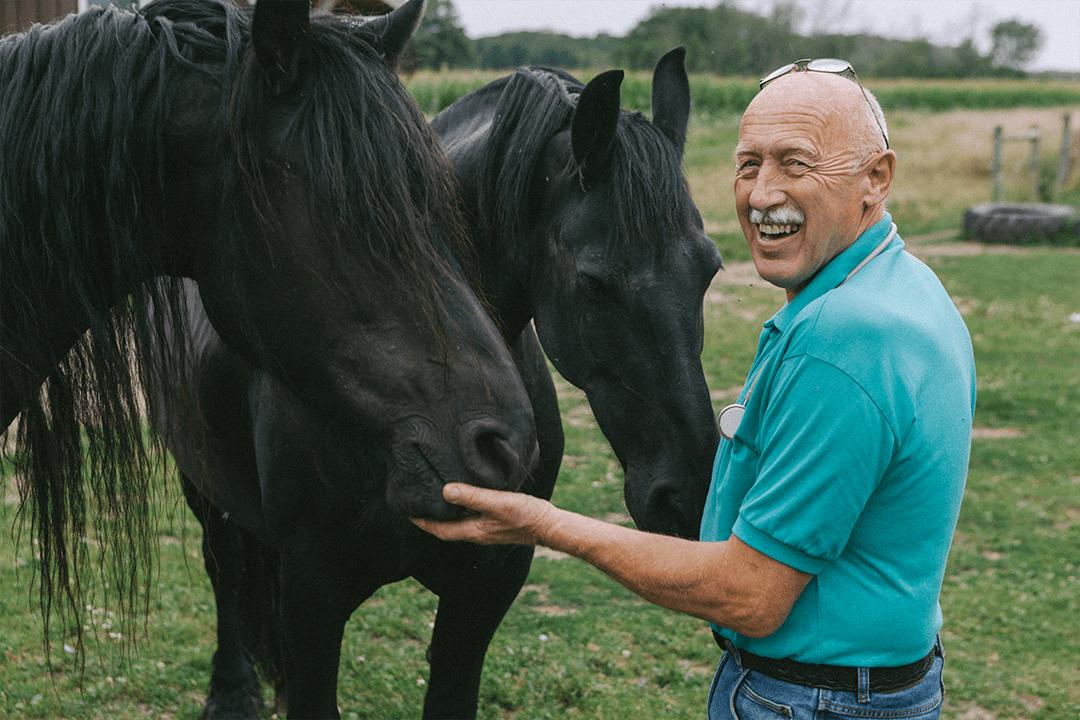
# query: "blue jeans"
{"type": "Point", "coordinates": [740, 694]}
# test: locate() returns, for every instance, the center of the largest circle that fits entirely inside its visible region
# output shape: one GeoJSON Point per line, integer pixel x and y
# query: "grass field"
{"type": "Point", "coordinates": [578, 645]}
{"type": "Point", "coordinates": [714, 95]}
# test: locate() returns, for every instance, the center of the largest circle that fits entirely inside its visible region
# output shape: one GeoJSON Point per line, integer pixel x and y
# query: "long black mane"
{"type": "Point", "coordinates": [84, 105]}
{"type": "Point", "coordinates": [647, 189]}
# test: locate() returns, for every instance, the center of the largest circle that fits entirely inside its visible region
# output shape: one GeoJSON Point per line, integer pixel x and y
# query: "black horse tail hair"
{"type": "Point", "coordinates": [259, 627]}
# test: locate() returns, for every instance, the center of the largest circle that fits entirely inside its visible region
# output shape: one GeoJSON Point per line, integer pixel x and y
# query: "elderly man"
{"type": "Point", "coordinates": [837, 485]}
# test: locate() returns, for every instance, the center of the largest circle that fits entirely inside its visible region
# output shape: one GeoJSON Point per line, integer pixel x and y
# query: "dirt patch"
{"type": "Point", "coordinates": [967, 249]}
{"type": "Point", "coordinates": [574, 461]}
{"type": "Point", "coordinates": [11, 489]}
{"type": "Point", "coordinates": [540, 590]}
{"type": "Point", "coordinates": [549, 554]}
{"type": "Point", "coordinates": [975, 712]}
{"type": "Point", "coordinates": [1072, 519]}
{"type": "Point", "coordinates": [7, 438]}
{"type": "Point", "coordinates": [695, 669]}
{"type": "Point", "coordinates": [1000, 433]}
{"type": "Point", "coordinates": [580, 416]}
{"type": "Point", "coordinates": [728, 394]}
{"type": "Point", "coordinates": [553, 610]}
{"type": "Point", "coordinates": [1032, 702]}
{"type": "Point", "coordinates": [736, 273]}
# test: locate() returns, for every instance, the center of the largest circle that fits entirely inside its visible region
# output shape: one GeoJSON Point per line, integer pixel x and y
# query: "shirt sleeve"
{"type": "Point", "coordinates": [825, 446]}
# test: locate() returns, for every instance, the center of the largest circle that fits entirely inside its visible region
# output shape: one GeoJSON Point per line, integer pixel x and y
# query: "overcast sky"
{"type": "Point", "coordinates": [942, 21]}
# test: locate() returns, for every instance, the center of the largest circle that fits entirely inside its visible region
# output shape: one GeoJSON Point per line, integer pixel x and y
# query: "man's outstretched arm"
{"type": "Point", "coordinates": [727, 583]}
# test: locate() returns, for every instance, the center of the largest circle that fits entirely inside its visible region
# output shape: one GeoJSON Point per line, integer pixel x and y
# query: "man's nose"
{"type": "Point", "coordinates": [767, 192]}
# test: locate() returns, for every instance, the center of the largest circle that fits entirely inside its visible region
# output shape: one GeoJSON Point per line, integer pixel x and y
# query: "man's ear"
{"type": "Point", "coordinates": [880, 177]}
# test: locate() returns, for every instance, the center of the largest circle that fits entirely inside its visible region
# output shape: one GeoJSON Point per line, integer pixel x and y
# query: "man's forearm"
{"type": "Point", "coordinates": [728, 583]}
{"type": "Point", "coordinates": [706, 579]}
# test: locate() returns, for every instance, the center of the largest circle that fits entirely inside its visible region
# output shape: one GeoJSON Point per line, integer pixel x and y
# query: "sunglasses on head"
{"type": "Point", "coordinates": [833, 66]}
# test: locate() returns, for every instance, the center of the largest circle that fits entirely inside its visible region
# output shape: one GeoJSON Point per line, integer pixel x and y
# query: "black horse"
{"type": "Point", "coordinates": [280, 165]}
{"type": "Point", "coordinates": [586, 227]}
{"type": "Point", "coordinates": [585, 222]}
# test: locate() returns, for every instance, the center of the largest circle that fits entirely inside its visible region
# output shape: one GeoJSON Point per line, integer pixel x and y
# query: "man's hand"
{"type": "Point", "coordinates": [504, 518]}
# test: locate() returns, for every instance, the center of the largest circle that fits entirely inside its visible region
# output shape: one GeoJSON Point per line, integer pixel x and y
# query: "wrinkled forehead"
{"type": "Point", "coordinates": [820, 108]}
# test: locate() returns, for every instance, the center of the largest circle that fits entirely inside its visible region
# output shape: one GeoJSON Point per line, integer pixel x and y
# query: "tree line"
{"type": "Point", "coordinates": [721, 39]}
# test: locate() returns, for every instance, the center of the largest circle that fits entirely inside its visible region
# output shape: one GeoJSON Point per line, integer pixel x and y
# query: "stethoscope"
{"type": "Point", "coordinates": [729, 419]}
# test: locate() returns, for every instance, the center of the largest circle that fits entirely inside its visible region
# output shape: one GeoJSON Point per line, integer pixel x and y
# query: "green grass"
{"type": "Point", "coordinates": [1010, 596]}
{"type": "Point", "coordinates": [718, 95]}
{"type": "Point", "coordinates": [576, 644]}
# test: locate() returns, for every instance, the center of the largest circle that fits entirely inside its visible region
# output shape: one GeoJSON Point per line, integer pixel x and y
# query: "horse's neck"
{"type": "Point", "coordinates": [504, 281]}
{"type": "Point", "coordinates": [503, 268]}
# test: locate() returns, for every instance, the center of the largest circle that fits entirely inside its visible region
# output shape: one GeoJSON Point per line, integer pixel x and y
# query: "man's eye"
{"type": "Point", "coordinates": [745, 165]}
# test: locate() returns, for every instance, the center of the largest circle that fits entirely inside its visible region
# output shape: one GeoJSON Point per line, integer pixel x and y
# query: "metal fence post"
{"type": "Point", "coordinates": [995, 166]}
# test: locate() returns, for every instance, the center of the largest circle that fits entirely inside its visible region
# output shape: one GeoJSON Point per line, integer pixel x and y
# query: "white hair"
{"type": "Point", "coordinates": [870, 143]}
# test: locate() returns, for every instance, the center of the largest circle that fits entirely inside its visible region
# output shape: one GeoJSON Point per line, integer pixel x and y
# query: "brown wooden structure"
{"type": "Point", "coordinates": [18, 15]}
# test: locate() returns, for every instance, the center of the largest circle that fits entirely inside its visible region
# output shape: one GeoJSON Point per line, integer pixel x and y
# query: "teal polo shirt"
{"type": "Point", "coordinates": [850, 461]}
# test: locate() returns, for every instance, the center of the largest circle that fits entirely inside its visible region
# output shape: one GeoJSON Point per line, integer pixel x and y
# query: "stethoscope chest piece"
{"type": "Point", "coordinates": [727, 422]}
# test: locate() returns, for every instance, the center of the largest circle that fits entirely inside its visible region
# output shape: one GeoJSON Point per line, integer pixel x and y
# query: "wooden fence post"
{"type": "Point", "coordinates": [1063, 158]}
{"type": "Point", "coordinates": [1033, 161]}
{"type": "Point", "coordinates": [995, 166]}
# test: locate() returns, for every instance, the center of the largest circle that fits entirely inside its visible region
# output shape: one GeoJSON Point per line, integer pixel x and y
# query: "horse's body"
{"type": "Point", "coordinates": [566, 188]}
{"type": "Point", "coordinates": [280, 165]}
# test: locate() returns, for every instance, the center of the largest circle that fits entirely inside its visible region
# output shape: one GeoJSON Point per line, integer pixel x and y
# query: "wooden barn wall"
{"type": "Point", "coordinates": [20, 14]}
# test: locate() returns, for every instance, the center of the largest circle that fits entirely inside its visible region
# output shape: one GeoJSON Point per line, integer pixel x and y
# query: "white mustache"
{"type": "Point", "coordinates": [777, 216]}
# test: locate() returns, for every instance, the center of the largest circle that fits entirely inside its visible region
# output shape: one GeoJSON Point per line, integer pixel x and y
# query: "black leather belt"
{"type": "Point", "coordinates": [831, 677]}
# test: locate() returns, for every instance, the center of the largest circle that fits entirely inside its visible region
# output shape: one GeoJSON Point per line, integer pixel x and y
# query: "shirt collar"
{"type": "Point", "coordinates": [834, 272]}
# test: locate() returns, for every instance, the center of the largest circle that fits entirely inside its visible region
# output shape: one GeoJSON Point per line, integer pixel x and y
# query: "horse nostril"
{"type": "Point", "coordinates": [492, 454]}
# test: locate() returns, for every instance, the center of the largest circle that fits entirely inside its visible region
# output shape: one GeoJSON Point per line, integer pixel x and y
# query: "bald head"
{"type": "Point", "coordinates": [812, 173]}
{"type": "Point", "coordinates": [838, 102]}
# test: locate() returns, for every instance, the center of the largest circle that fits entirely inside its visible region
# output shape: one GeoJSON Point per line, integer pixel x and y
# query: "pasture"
{"type": "Point", "coordinates": [576, 644]}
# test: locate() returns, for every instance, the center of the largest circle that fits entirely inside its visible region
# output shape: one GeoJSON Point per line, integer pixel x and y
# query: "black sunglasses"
{"type": "Point", "coordinates": [834, 66]}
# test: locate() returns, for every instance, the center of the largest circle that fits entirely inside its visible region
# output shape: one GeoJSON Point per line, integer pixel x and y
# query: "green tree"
{"type": "Point", "coordinates": [440, 41]}
{"type": "Point", "coordinates": [1014, 43]}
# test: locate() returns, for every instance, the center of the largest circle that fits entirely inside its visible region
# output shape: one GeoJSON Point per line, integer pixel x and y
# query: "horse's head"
{"type": "Point", "coordinates": [618, 290]}
{"type": "Point", "coordinates": [324, 226]}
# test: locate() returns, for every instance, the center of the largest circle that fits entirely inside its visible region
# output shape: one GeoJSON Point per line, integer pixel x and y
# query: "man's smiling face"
{"type": "Point", "coordinates": [801, 181]}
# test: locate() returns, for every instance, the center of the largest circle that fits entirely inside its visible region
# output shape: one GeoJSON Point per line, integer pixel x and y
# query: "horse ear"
{"type": "Point", "coordinates": [279, 34]}
{"type": "Point", "coordinates": [592, 131]}
{"type": "Point", "coordinates": [671, 96]}
{"type": "Point", "coordinates": [394, 29]}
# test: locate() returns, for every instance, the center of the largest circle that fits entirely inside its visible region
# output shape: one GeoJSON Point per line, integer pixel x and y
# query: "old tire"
{"type": "Point", "coordinates": [1023, 223]}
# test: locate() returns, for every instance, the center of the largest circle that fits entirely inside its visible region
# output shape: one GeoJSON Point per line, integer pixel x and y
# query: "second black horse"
{"type": "Point", "coordinates": [584, 225]}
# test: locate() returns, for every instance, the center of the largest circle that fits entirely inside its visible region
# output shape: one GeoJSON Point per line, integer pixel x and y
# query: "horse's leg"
{"type": "Point", "coordinates": [469, 614]}
{"type": "Point", "coordinates": [234, 686]}
{"type": "Point", "coordinates": [315, 604]}
{"type": "Point", "coordinates": [464, 626]}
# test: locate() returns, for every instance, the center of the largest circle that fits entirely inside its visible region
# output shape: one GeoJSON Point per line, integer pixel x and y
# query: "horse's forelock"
{"type": "Point", "coordinates": [381, 189]}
